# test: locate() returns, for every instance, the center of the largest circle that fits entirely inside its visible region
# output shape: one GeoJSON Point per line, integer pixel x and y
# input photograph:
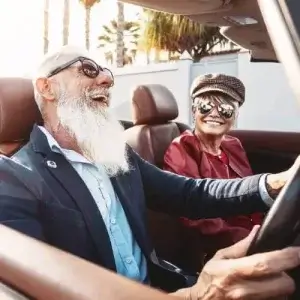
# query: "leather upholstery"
{"type": "Point", "coordinates": [18, 113]}
{"type": "Point", "coordinates": [46, 273]}
{"type": "Point", "coordinates": [151, 141]}
{"type": "Point", "coordinates": [7, 293]}
{"type": "Point", "coordinates": [153, 109]}
{"type": "Point", "coordinates": [10, 148]}
{"type": "Point", "coordinates": [153, 104]}
{"type": "Point", "coordinates": [183, 127]}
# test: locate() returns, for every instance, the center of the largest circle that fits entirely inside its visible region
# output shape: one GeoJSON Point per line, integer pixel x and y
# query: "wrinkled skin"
{"type": "Point", "coordinates": [230, 275]}
{"type": "Point", "coordinates": [214, 124]}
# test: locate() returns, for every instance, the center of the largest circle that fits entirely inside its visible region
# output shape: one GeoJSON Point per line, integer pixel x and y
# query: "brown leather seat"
{"type": "Point", "coordinates": [153, 109]}
{"type": "Point", "coordinates": [18, 113]}
{"type": "Point", "coordinates": [42, 272]}
{"type": "Point", "coordinates": [7, 293]}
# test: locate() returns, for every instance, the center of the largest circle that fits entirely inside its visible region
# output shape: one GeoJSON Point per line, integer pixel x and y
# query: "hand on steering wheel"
{"type": "Point", "coordinates": [275, 182]}
{"type": "Point", "coordinates": [230, 275]}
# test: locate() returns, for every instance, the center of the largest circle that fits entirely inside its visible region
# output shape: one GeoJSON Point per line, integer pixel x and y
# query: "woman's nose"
{"type": "Point", "coordinates": [214, 112]}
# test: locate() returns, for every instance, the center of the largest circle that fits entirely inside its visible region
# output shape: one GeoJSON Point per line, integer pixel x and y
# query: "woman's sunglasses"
{"type": "Point", "coordinates": [89, 68]}
{"type": "Point", "coordinates": [225, 110]}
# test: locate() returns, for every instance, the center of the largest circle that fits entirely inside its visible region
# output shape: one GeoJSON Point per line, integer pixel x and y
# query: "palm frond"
{"type": "Point", "coordinates": [107, 29]}
{"type": "Point", "coordinates": [132, 32]}
{"type": "Point", "coordinates": [175, 33]}
{"type": "Point", "coordinates": [114, 24]}
{"type": "Point", "coordinates": [105, 38]}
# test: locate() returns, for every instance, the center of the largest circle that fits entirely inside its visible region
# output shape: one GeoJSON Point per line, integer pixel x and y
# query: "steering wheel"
{"type": "Point", "coordinates": [281, 227]}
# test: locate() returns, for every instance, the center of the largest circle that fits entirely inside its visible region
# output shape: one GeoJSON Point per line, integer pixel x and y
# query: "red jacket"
{"type": "Point", "coordinates": [186, 157]}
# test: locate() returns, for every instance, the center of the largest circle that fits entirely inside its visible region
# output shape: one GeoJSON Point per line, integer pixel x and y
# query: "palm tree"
{"type": "Point", "coordinates": [88, 4]}
{"type": "Point", "coordinates": [131, 34]}
{"type": "Point", "coordinates": [120, 35]}
{"type": "Point", "coordinates": [142, 21]}
{"type": "Point", "coordinates": [46, 26]}
{"type": "Point", "coordinates": [66, 22]}
{"type": "Point", "coordinates": [177, 34]}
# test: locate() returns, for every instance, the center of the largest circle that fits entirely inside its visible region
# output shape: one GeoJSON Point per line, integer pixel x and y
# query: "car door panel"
{"type": "Point", "coordinates": [269, 151]}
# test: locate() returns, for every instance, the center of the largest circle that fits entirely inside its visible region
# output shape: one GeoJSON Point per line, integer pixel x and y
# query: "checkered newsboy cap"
{"type": "Point", "coordinates": [225, 84]}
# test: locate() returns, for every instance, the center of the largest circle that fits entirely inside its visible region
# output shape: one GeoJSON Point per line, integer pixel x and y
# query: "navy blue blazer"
{"type": "Point", "coordinates": [55, 206]}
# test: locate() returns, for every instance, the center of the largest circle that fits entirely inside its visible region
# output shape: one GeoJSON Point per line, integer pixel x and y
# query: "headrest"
{"type": "Point", "coordinates": [153, 104]}
{"type": "Point", "coordinates": [18, 110]}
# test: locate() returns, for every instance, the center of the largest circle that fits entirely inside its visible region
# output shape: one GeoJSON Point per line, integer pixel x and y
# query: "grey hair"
{"type": "Point", "coordinates": [53, 60]}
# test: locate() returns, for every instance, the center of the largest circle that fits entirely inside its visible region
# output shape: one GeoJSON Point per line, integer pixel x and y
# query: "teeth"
{"type": "Point", "coordinates": [213, 123]}
{"type": "Point", "coordinates": [98, 96]}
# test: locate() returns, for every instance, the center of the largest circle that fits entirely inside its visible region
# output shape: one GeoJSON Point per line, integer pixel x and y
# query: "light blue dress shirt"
{"type": "Point", "coordinates": [129, 259]}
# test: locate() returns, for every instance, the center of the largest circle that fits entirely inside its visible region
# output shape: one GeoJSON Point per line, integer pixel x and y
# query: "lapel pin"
{"type": "Point", "coordinates": [51, 164]}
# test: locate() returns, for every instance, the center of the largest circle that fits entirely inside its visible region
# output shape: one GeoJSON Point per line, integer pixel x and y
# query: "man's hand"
{"type": "Point", "coordinates": [230, 275]}
{"type": "Point", "coordinates": [275, 182]}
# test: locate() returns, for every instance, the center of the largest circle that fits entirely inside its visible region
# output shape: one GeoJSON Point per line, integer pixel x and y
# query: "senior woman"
{"type": "Point", "coordinates": [209, 152]}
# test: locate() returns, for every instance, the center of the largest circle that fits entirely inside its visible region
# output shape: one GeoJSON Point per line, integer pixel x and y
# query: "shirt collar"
{"type": "Point", "coordinates": [70, 155]}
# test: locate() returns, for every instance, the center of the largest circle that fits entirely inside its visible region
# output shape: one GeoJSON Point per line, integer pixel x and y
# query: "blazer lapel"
{"type": "Point", "coordinates": [124, 189]}
{"type": "Point", "coordinates": [65, 174]}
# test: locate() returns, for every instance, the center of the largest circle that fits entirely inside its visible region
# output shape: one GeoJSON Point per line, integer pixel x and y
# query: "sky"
{"type": "Point", "coordinates": [21, 30]}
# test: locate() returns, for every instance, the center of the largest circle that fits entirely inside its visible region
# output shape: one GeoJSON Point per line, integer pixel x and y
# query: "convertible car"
{"type": "Point", "coordinates": [32, 270]}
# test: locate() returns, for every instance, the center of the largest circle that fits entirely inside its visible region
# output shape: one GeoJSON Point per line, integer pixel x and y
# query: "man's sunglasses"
{"type": "Point", "coordinates": [224, 109]}
{"type": "Point", "coordinates": [89, 68]}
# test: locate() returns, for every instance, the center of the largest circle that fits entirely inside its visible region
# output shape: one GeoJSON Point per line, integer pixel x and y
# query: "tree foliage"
{"type": "Point", "coordinates": [108, 40]}
{"type": "Point", "coordinates": [177, 34]}
{"type": "Point", "coordinates": [89, 3]}
{"type": "Point", "coordinates": [109, 36]}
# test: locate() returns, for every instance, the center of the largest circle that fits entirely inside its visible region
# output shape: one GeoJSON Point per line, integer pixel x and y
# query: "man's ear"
{"type": "Point", "coordinates": [44, 88]}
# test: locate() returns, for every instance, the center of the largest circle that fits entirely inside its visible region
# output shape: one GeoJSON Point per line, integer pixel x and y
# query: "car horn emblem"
{"type": "Point", "coordinates": [52, 164]}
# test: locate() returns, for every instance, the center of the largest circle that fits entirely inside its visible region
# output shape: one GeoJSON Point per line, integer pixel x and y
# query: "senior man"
{"type": "Point", "coordinates": [77, 186]}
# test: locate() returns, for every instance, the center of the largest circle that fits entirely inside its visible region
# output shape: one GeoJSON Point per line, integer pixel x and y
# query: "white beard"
{"type": "Point", "coordinates": [97, 132]}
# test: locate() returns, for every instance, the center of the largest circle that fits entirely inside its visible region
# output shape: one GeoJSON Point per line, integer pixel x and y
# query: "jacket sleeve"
{"type": "Point", "coordinates": [18, 202]}
{"type": "Point", "coordinates": [175, 161]}
{"type": "Point", "coordinates": [199, 198]}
